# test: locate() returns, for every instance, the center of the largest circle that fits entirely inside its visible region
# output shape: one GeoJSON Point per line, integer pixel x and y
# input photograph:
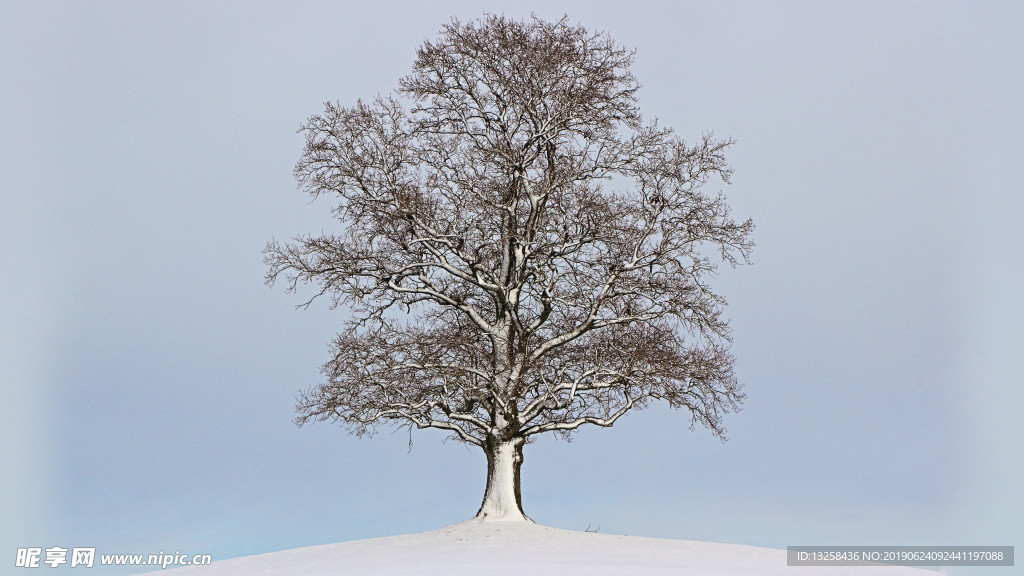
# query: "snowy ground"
{"type": "Point", "coordinates": [525, 549]}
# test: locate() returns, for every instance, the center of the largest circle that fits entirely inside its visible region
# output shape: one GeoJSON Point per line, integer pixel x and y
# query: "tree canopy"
{"type": "Point", "coordinates": [521, 253]}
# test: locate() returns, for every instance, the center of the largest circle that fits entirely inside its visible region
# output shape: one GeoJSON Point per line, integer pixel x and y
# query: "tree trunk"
{"type": "Point", "coordinates": [502, 500]}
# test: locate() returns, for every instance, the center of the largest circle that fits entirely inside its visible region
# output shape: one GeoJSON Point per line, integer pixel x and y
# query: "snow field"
{"type": "Point", "coordinates": [525, 549]}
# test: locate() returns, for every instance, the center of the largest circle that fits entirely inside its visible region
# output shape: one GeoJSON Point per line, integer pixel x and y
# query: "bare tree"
{"type": "Point", "coordinates": [521, 253]}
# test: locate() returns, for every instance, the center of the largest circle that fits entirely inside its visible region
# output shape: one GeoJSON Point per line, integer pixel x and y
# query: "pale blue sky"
{"type": "Point", "coordinates": [150, 375]}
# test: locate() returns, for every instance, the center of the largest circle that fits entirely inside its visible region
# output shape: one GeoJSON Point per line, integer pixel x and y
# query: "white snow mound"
{"type": "Point", "coordinates": [521, 549]}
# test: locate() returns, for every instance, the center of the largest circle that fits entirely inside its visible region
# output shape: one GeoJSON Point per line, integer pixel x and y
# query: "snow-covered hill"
{"type": "Point", "coordinates": [524, 549]}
